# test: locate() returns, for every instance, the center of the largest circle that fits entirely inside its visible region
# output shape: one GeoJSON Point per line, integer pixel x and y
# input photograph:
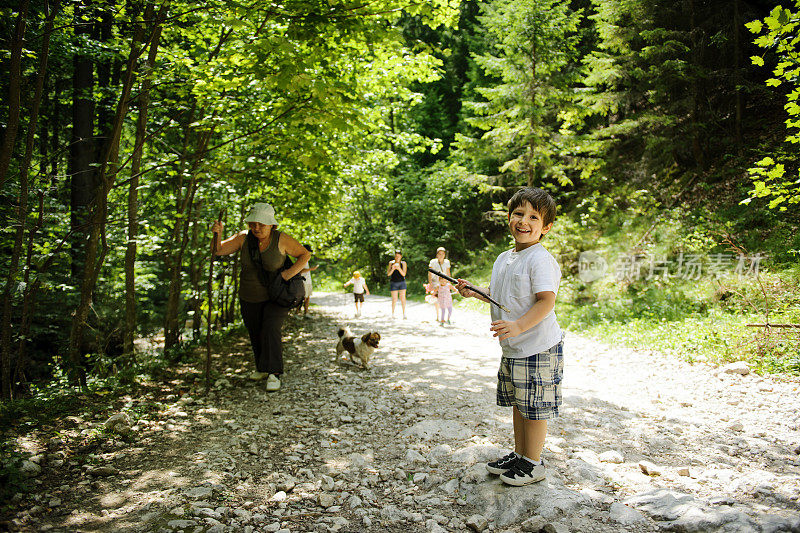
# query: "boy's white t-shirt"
{"type": "Point", "coordinates": [516, 278]}
{"type": "Point", "coordinates": [358, 285]}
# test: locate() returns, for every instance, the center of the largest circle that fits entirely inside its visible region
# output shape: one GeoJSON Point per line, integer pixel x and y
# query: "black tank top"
{"type": "Point", "coordinates": [250, 286]}
{"type": "Point", "coordinates": [397, 276]}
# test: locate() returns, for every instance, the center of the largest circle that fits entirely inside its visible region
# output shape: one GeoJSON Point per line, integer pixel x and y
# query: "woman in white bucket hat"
{"type": "Point", "coordinates": [263, 318]}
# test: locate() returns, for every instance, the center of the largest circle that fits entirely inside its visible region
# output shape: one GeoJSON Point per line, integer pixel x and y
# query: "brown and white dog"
{"type": "Point", "coordinates": [361, 348]}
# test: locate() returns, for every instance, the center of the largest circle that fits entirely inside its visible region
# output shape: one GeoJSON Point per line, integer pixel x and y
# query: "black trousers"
{"type": "Point", "coordinates": [264, 321]}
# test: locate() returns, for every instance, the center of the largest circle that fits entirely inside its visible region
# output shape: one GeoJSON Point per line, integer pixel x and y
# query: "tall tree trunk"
{"type": "Point", "coordinates": [97, 247]}
{"type": "Point", "coordinates": [22, 213]}
{"type": "Point", "coordinates": [82, 156]}
{"type": "Point", "coordinates": [14, 84]}
{"type": "Point", "coordinates": [29, 298]}
{"type": "Point", "coordinates": [58, 157]}
{"type": "Point", "coordinates": [133, 187]}
{"type": "Point", "coordinates": [180, 233]}
{"type": "Point", "coordinates": [103, 66]}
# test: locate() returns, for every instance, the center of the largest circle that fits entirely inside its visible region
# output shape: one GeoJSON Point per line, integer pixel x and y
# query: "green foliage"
{"type": "Point", "coordinates": [525, 108]}
{"type": "Point", "coordinates": [779, 34]}
{"type": "Point", "coordinates": [405, 125]}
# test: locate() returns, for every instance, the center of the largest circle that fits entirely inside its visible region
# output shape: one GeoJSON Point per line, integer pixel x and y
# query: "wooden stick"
{"type": "Point", "coordinates": [471, 287]}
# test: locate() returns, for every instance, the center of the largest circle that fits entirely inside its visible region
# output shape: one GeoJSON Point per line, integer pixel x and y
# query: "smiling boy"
{"type": "Point", "coordinates": [526, 280]}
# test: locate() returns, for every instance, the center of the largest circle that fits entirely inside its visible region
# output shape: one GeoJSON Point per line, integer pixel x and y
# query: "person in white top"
{"type": "Point", "coordinates": [359, 288]}
{"type": "Point", "coordinates": [440, 263]}
{"type": "Point", "coordinates": [525, 280]}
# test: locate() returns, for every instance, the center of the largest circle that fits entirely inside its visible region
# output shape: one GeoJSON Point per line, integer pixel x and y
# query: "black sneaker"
{"type": "Point", "coordinates": [501, 465]}
{"type": "Point", "coordinates": [523, 472]}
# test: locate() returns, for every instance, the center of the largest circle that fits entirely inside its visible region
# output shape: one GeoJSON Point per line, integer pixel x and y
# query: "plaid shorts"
{"type": "Point", "coordinates": [532, 384]}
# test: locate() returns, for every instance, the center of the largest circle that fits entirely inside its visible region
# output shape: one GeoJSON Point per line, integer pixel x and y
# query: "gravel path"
{"type": "Point", "coordinates": [644, 443]}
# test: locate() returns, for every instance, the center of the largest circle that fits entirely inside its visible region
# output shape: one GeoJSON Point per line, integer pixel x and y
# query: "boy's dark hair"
{"type": "Point", "coordinates": [539, 200]}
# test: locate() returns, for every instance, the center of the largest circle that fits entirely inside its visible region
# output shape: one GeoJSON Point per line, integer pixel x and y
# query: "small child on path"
{"type": "Point", "coordinates": [526, 280]}
{"type": "Point", "coordinates": [359, 288]}
{"type": "Point", "coordinates": [445, 296]}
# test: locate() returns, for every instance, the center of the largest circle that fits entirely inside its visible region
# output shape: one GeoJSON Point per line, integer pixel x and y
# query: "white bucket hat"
{"type": "Point", "coordinates": [263, 213]}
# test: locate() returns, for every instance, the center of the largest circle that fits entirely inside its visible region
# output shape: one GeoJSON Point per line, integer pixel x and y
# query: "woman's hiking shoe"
{"type": "Point", "coordinates": [523, 472]}
{"type": "Point", "coordinates": [273, 383]}
{"type": "Point", "coordinates": [503, 464]}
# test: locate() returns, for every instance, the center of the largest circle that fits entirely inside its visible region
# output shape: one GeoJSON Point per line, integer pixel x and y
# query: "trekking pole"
{"type": "Point", "coordinates": [210, 300]}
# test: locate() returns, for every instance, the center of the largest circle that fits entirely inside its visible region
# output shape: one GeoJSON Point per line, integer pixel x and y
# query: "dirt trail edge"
{"type": "Point", "coordinates": [645, 443]}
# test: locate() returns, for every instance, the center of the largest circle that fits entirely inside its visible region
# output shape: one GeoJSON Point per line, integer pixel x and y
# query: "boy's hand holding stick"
{"type": "Point", "coordinates": [472, 288]}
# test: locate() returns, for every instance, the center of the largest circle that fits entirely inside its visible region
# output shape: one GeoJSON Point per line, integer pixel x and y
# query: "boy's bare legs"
{"type": "Point", "coordinates": [529, 436]}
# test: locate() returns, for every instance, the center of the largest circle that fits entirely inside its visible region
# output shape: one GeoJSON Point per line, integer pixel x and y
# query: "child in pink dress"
{"type": "Point", "coordinates": [445, 296]}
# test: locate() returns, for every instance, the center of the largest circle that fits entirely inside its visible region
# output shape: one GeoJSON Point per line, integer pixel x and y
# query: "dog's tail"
{"type": "Point", "coordinates": [344, 331]}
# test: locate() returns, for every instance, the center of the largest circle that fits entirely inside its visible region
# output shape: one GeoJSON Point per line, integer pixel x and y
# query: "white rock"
{"type": "Point", "coordinates": [611, 456]}
{"type": "Point", "coordinates": [30, 469]}
{"type": "Point", "coordinates": [326, 500]}
{"type": "Point", "coordinates": [278, 496]}
{"type": "Point", "coordinates": [197, 493]}
{"type": "Point", "coordinates": [355, 502]}
{"type": "Point", "coordinates": [624, 515]}
{"type": "Point", "coordinates": [358, 460]}
{"type": "Point", "coordinates": [413, 456]}
{"type": "Point", "coordinates": [327, 483]}
{"type": "Point", "coordinates": [118, 423]}
{"type": "Point", "coordinates": [441, 451]}
{"type": "Point", "coordinates": [588, 456]}
{"type": "Point", "coordinates": [479, 453]}
{"type": "Point", "coordinates": [102, 471]}
{"type": "Point", "coordinates": [739, 367]}
{"type": "Point", "coordinates": [736, 426]}
{"type": "Point", "coordinates": [580, 470]}
{"type": "Point", "coordinates": [450, 487]}
{"type": "Point", "coordinates": [477, 523]}
{"type": "Point", "coordinates": [537, 524]}
{"type": "Point", "coordinates": [287, 484]}
{"type": "Point", "coordinates": [243, 515]}
{"type": "Point", "coordinates": [649, 468]}
{"type": "Point", "coordinates": [430, 428]}
{"type": "Point", "coordinates": [181, 524]}
{"type": "Point", "coordinates": [433, 527]}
